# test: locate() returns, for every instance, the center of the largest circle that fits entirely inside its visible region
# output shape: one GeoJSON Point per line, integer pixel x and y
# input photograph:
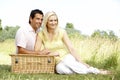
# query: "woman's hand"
{"type": "Point", "coordinates": [55, 54]}
{"type": "Point", "coordinates": [44, 52]}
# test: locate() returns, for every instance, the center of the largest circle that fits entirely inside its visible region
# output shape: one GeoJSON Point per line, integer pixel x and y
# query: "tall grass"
{"type": "Point", "coordinates": [7, 47]}
{"type": "Point", "coordinates": [101, 53]}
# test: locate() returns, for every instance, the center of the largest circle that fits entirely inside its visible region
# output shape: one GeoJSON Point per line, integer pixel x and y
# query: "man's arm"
{"type": "Point", "coordinates": [22, 50]}
{"type": "Point", "coordinates": [25, 51]}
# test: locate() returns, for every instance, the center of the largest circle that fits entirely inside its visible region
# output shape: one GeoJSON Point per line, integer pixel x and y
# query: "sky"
{"type": "Point", "coordinates": [86, 15]}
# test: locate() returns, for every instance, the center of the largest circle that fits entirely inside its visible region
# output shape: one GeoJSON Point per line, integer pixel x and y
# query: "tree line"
{"type": "Point", "coordinates": [9, 32]}
{"type": "Point", "coordinates": [96, 34]}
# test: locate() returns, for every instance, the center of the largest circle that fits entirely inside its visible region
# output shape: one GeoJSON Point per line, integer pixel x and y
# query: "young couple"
{"type": "Point", "coordinates": [51, 40]}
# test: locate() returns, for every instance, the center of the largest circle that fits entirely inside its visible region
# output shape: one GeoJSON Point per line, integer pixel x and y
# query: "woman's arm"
{"type": "Point", "coordinates": [70, 47]}
{"type": "Point", "coordinates": [38, 46]}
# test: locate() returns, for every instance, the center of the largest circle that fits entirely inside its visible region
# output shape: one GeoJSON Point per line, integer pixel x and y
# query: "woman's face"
{"type": "Point", "coordinates": [52, 22]}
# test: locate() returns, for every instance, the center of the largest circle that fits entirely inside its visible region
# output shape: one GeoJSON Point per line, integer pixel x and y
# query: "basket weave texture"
{"type": "Point", "coordinates": [31, 63]}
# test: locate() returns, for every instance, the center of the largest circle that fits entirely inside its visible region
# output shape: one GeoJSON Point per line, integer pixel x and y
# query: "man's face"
{"type": "Point", "coordinates": [36, 21]}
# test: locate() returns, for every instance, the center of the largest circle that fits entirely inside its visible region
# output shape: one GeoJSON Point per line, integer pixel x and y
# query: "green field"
{"type": "Point", "coordinates": [100, 53]}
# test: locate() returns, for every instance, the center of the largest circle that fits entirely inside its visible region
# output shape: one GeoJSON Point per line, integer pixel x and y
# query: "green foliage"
{"type": "Point", "coordinates": [71, 31]}
{"type": "Point", "coordinates": [70, 25]}
{"type": "Point", "coordinates": [0, 28]}
{"type": "Point", "coordinates": [103, 34]}
{"type": "Point", "coordinates": [111, 61]}
{"type": "Point", "coordinates": [98, 33]}
{"type": "Point", "coordinates": [112, 36]}
{"type": "Point", "coordinates": [8, 33]}
{"type": "Point", "coordinates": [0, 25]}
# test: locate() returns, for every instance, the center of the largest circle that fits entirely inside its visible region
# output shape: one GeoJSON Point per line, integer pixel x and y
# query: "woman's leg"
{"type": "Point", "coordinates": [63, 69]}
{"type": "Point", "coordinates": [74, 65]}
{"type": "Point", "coordinates": [78, 67]}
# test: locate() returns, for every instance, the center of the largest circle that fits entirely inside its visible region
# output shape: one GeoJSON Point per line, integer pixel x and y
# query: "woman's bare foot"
{"type": "Point", "coordinates": [105, 72]}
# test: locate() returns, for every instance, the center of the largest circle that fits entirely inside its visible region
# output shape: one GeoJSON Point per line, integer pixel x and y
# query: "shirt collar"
{"type": "Point", "coordinates": [29, 27]}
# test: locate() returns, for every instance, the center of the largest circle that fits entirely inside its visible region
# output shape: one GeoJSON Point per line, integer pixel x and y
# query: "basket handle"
{"type": "Point", "coordinates": [16, 60]}
{"type": "Point", "coordinates": [49, 60]}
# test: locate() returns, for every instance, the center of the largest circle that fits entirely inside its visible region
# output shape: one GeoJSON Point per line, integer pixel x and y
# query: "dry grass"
{"type": "Point", "coordinates": [102, 51]}
{"type": "Point", "coordinates": [7, 47]}
{"type": "Point", "coordinates": [98, 50]}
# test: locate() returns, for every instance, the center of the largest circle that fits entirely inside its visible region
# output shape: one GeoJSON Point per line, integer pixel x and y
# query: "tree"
{"type": "Point", "coordinates": [101, 34]}
{"type": "Point", "coordinates": [112, 35]}
{"type": "Point", "coordinates": [0, 25]}
{"type": "Point", "coordinates": [70, 25]}
{"type": "Point", "coordinates": [96, 33]}
{"type": "Point", "coordinates": [73, 32]}
{"type": "Point", "coordinates": [8, 33]}
{"type": "Point", "coordinates": [70, 28]}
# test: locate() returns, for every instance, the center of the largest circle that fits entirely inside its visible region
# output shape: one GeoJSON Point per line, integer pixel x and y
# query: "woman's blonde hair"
{"type": "Point", "coordinates": [45, 20]}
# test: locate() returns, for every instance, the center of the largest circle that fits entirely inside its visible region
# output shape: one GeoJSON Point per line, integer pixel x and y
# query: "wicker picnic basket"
{"type": "Point", "coordinates": [31, 63]}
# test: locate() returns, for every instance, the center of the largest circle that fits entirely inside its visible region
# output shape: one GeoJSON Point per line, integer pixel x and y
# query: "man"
{"type": "Point", "coordinates": [25, 38]}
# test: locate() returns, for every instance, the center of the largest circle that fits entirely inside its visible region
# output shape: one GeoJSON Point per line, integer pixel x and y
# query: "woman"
{"type": "Point", "coordinates": [57, 41]}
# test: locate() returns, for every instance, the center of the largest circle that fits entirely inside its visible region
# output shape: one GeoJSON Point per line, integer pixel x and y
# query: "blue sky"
{"type": "Point", "coordinates": [86, 15]}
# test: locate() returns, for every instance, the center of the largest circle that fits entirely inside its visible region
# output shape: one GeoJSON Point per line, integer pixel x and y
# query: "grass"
{"type": "Point", "coordinates": [100, 53]}
{"type": "Point", "coordinates": [5, 74]}
{"type": "Point", "coordinates": [7, 47]}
